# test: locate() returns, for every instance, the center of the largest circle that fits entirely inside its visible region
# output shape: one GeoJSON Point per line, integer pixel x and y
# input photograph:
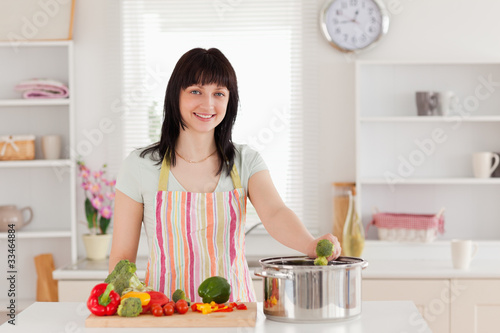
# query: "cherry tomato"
{"type": "Point", "coordinates": [173, 305]}
{"type": "Point", "coordinates": [156, 310]}
{"type": "Point", "coordinates": [182, 306]}
{"type": "Point", "coordinates": [168, 309]}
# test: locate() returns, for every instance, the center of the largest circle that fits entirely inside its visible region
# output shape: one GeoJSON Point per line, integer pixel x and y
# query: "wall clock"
{"type": "Point", "coordinates": [354, 25]}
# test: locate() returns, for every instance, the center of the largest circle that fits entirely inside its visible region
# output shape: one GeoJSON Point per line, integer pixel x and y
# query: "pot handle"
{"type": "Point", "coordinates": [273, 274]}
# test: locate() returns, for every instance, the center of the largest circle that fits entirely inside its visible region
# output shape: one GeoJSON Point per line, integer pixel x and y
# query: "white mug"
{"type": "Point", "coordinates": [481, 164]}
{"type": "Point", "coordinates": [462, 252]}
{"type": "Point", "coordinates": [447, 103]}
{"type": "Point", "coordinates": [51, 147]}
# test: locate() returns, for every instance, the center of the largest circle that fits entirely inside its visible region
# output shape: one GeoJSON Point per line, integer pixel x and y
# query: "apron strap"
{"type": "Point", "coordinates": [165, 169]}
{"type": "Point", "coordinates": [235, 177]}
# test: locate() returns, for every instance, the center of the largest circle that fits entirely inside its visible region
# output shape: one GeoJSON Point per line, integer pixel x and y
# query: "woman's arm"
{"type": "Point", "coordinates": [126, 229]}
{"type": "Point", "coordinates": [281, 222]}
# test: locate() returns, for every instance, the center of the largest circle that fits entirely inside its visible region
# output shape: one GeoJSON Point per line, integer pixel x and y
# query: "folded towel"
{"type": "Point", "coordinates": [43, 88]}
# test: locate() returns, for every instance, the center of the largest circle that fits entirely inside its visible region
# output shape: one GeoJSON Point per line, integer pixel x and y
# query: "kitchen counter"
{"type": "Point", "coordinates": [377, 317]}
{"type": "Point", "coordinates": [386, 261]}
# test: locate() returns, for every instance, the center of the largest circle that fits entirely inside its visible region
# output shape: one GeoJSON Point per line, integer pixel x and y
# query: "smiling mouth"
{"type": "Point", "coordinates": [204, 116]}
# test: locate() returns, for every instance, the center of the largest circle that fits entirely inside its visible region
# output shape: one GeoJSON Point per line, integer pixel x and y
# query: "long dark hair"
{"type": "Point", "coordinates": [198, 66]}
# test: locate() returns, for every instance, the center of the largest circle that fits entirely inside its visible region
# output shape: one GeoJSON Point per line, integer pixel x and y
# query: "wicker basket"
{"type": "Point", "coordinates": [17, 147]}
{"type": "Point", "coordinates": [408, 227]}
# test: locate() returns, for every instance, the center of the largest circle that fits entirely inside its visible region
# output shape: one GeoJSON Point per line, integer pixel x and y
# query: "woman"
{"type": "Point", "coordinates": [190, 188]}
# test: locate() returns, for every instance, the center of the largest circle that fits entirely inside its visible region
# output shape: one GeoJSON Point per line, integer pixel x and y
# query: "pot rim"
{"type": "Point", "coordinates": [340, 263]}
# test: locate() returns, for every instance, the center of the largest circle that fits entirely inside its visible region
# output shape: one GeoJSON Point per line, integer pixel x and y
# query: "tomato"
{"type": "Point", "coordinates": [182, 306]}
{"type": "Point", "coordinates": [156, 310]}
{"type": "Point", "coordinates": [173, 305]}
{"type": "Point", "coordinates": [168, 309]}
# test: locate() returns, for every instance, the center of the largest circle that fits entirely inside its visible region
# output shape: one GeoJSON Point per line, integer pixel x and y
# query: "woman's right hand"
{"type": "Point", "coordinates": [311, 252]}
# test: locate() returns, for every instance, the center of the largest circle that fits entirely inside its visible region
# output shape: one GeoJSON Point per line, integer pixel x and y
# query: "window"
{"type": "Point", "coordinates": [271, 47]}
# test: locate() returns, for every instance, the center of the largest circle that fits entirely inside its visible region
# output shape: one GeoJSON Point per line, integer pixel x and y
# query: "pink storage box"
{"type": "Point", "coordinates": [408, 227]}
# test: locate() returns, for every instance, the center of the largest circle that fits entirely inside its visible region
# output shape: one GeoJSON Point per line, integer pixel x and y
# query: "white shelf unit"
{"type": "Point", "coordinates": [417, 164]}
{"type": "Point", "coordinates": [47, 186]}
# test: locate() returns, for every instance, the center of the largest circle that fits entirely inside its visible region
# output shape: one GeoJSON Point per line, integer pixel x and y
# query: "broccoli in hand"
{"type": "Point", "coordinates": [123, 277]}
{"type": "Point", "coordinates": [324, 249]}
{"type": "Point", "coordinates": [130, 307]}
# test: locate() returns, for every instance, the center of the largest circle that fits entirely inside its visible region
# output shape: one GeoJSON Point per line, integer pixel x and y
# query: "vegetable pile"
{"type": "Point", "coordinates": [124, 294]}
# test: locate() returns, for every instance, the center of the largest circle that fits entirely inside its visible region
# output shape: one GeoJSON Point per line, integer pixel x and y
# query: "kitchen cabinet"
{"type": "Point", "coordinates": [447, 305]}
{"type": "Point", "coordinates": [419, 164]}
{"type": "Point", "coordinates": [47, 186]}
{"type": "Point", "coordinates": [477, 308]}
{"type": "Point", "coordinates": [430, 297]}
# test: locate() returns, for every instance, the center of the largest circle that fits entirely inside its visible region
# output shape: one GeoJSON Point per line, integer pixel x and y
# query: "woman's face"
{"type": "Point", "coordinates": [203, 107]}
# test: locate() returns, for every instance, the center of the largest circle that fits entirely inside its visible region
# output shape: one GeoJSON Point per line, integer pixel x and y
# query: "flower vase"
{"type": "Point", "coordinates": [96, 246]}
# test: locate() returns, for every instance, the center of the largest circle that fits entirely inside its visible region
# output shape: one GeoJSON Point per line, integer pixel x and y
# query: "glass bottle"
{"type": "Point", "coordinates": [340, 194]}
{"type": "Point", "coordinates": [354, 235]}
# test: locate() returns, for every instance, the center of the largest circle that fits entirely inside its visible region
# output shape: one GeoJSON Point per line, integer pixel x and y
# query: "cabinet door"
{"type": "Point", "coordinates": [75, 290]}
{"type": "Point", "coordinates": [431, 297]}
{"type": "Point", "coordinates": [476, 307]}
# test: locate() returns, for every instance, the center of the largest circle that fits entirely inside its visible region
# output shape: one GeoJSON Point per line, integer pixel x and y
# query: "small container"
{"type": "Point", "coordinates": [17, 147]}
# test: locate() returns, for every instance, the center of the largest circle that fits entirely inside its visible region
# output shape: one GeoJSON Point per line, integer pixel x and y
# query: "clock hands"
{"type": "Point", "coordinates": [353, 20]}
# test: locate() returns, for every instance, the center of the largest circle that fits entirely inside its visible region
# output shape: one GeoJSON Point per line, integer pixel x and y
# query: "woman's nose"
{"type": "Point", "coordinates": [208, 103]}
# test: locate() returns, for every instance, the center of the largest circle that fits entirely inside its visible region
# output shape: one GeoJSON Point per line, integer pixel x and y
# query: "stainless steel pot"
{"type": "Point", "coordinates": [295, 290]}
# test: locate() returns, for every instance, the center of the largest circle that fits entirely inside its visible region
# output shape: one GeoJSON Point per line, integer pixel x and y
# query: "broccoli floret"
{"type": "Point", "coordinates": [180, 294]}
{"type": "Point", "coordinates": [324, 249]}
{"type": "Point", "coordinates": [123, 277]}
{"type": "Point", "coordinates": [321, 261]}
{"type": "Point", "coordinates": [130, 307]}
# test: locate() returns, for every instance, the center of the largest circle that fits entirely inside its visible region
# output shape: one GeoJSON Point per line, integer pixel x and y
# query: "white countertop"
{"type": "Point", "coordinates": [377, 317]}
{"type": "Point", "coordinates": [386, 261]}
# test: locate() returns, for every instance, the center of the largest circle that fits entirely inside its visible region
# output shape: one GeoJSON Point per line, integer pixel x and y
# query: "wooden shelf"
{"type": "Point", "coordinates": [36, 163]}
{"type": "Point", "coordinates": [38, 234]}
{"type": "Point", "coordinates": [35, 102]}
{"type": "Point", "coordinates": [428, 119]}
{"type": "Point", "coordinates": [433, 181]}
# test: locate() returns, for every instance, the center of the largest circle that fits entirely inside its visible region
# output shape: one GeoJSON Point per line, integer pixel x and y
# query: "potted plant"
{"type": "Point", "coordinates": [99, 197]}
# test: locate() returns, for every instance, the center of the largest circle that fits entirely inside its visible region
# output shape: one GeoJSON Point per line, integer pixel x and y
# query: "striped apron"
{"type": "Point", "coordinates": [199, 235]}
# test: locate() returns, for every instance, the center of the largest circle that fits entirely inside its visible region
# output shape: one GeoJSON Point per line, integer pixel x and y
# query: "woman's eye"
{"type": "Point", "coordinates": [220, 94]}
{"type": "Point", "coordinates": [195, 92]}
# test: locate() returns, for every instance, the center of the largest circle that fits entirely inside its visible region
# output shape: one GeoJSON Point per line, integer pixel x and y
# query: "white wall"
{"type": "Point", "coordinates": [437, 30]}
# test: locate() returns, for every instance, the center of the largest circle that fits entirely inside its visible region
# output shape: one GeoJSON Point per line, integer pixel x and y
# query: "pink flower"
{"type": "Point", "coordinates": [112, 183]}
{"type": "Point", "coordinates": [85, 174]}
{"type": "Point", "coordinates": [94, 188]}
{"type": "Point", "coordinates": [96, 203]}
{"type": "Point", "coordinates": [85, 185]}
{"type": "Point", "coordinates": [106, 212]}
{"type": "Point", "coordinates": [97, 174]}
{"type": "Point", "coordinates": [110, 196]}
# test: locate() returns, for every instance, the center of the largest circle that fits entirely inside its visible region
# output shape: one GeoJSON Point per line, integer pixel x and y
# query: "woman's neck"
{"type": "Point", "coordinates": [195, 146]}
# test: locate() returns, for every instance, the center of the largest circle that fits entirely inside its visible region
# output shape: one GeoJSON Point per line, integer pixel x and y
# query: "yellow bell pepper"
{"type": "Point", "coordinates": [144, 297]}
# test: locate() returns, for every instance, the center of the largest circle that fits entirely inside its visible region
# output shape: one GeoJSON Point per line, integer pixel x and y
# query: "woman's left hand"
{"type": "Point", "coordinates": [311, 252]}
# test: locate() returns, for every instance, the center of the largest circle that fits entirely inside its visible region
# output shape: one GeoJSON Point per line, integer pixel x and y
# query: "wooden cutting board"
{"type": "Point", "coordinates": [236, 318]}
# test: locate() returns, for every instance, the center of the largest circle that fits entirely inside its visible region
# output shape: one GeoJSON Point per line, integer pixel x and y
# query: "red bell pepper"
{"type": "Point", "coordinates": [103, 300]}
{"type": "Point", "coordinates": [157, 297]}
{"type": "Point", "coordinates": [241, 306]}
{"type": "Point", "coordinates": [224, 309]}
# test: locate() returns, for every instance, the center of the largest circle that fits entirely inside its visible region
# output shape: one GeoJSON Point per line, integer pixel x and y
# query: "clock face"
{"type": "Point", "coordinates": [354, 24]}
